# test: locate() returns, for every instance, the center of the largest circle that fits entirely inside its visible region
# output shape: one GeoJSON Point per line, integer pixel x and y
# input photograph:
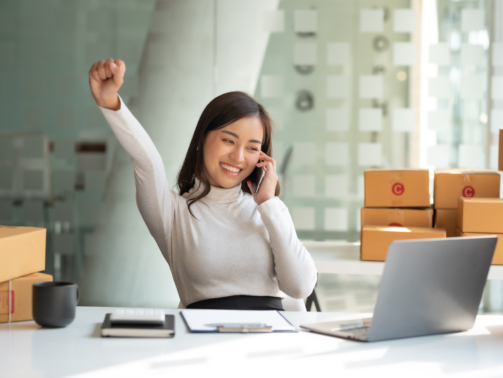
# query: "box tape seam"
{"type": "Point", "coordinates": [10, 300]}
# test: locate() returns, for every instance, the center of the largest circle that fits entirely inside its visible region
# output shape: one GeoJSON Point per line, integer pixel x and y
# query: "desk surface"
{"type": "Point", "coordinates": [26, 350]}
{"type": "Point", "coordinates": [339, 257]}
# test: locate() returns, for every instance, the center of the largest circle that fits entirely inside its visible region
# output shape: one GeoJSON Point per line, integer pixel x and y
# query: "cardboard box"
{"type": "Point", "coordinates": [20, 298]}
{"type": "Point", "coordinates": [450, 184]}
{"type": "Point", "coordinates": [397, 188]}
{"type": "Point", "coordinates": [22, 251]}
{"type": "Point", "coordinates": [484, 215]}
{"type": "Point", "coordinates": [448, 220]}
{"type": "Point", "coordinates": [376, 239]}
{"type": "Point", "coordinates": [397, 217]}
{"type": "Point", "coordinates": [498, 252]}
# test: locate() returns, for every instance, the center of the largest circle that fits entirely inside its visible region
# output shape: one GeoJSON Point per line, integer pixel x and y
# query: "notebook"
{"type": "Point", "coordinates": [138, 330]}
{"type": "Point", "coordinates": [206, 320]}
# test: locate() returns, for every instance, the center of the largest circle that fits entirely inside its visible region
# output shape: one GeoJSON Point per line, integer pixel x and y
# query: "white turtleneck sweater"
{"type": "Point", "coordinates": [234, 247]}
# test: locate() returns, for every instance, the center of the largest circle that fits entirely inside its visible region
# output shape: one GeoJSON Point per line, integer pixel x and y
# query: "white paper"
{"type": "Point", "coordinates": [440, 54]}
{"type": "Point", "coordinates": [337, 86]}
{"type": "Point", "coordinates": [305, 21]}
{"type": "Point", "coordinates": [370, 119]}
{"type": "Point", "coordinates": [494, 158]}
{"type": "Point", "coordinates": [403, 119]}
{"type": "Point", "coordinates": [439, 87]}
{"type": "Point", "coordinates": [303, 218]}
{"type": "Point", "coordinates": [338, 54]}
{"type": "Point", "coordinates": [337, 119]}
{"type": "Point", "coordinates": [197, 320]}
{"type": "Point", "coordinates": [336, 186]}
{"type": "Point", "coordinates": [303, 185]}
{"type": "Point", "coordinates": [471, 156]}
{"type": "Point", "coordinates": [304, 153]}
{"type": "Point", "coordinates": [371, 86]}
{"type": "Point", "coordinates": [497, 88]}
{"type": "Point", "coordinates": [404, 53]}
{"type": "Point", "coordinates": [305, 53]}
{"type": "Point", "coordinates": [371, 20]}
{"type": "Point", "coordinates": [472, 54]}
{"type": "Point", "coordinates": [496, 120]}
{"type": "Point", "coordinates": [272, 86]}
{"type": "Point", "coordinates": [404, 20]}
{"type": "Point", "coordinates": [336, 219]}
{"type": "Point", "coordinates": [337, 154]}
{"type": "Point", "coordinates": [472, 20]}
{"type": "Point", "coordinates": [472, 87]}
{"type": "Point", "coordinates": [439, 120]}
{"type": "Point", "coordinates": [438, 156]}
{"type": "Point", "coordinates": [273, 21]}
{"type": "Point", "coordinates": [369, 154]}
{"type": "Point", "coordinates": [497, 54]}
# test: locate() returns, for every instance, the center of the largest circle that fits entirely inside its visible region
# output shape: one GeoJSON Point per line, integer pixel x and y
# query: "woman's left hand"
{"type": "Point", "coordinates": [267, 189]}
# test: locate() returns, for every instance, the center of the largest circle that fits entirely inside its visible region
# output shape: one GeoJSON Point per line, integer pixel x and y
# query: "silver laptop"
{"type": "Point", "coordinates": [428, 287]}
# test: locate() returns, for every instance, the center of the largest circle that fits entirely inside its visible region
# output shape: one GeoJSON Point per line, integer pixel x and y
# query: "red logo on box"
{"type": "Point", "coordinates": [395, 224]}
{"type": "Point", "coordinates": [468, 191]}
{"type": "Point", "coordinates": [398, 189]}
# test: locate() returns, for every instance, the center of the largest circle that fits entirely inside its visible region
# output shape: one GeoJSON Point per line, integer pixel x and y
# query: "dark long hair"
{"type": "Point", "coordinates": [220, 112]}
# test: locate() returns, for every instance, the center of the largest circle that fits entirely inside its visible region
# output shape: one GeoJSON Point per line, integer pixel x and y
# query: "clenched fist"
{"type": "Point", "coordinates": [105, 79]}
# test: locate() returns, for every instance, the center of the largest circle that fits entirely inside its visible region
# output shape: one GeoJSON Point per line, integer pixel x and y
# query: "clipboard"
{"type": "Point", "coordinates": [236, 321]}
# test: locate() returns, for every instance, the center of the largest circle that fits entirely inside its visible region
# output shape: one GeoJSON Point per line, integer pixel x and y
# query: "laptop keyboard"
{"type": "Point", "coordinates": [360, 333]}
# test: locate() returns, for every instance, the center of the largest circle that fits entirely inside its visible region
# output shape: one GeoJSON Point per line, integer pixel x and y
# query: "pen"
{"type": "Point", "coordinates": [239, 325]}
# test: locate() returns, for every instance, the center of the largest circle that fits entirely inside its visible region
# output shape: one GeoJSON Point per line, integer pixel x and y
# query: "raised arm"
{"type": "Point", "coordinates": [295, 269]}
{"type": "Point", "coordinates": [155, 200]}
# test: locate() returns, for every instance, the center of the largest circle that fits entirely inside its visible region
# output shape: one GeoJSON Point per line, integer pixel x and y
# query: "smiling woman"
{"type": "Point", "coordinates": [226, 248]}
{"type": "Point", "coordinates": [235, 134]}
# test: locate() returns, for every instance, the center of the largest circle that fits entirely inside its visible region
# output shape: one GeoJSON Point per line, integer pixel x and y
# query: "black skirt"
{"type": "Point", "coordinates": [239, 302]}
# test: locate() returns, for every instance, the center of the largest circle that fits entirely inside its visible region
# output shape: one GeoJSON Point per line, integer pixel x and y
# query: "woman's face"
{"type": "Point", "coordinates": [230, 153]}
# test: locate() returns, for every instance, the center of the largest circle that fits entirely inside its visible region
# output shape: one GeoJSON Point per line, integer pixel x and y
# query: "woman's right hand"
{"type": "Point", "coordinates": [105, 79]}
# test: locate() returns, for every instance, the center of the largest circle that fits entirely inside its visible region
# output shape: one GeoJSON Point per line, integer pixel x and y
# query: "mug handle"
{"type": "Point", "coordinates": [78, 294]}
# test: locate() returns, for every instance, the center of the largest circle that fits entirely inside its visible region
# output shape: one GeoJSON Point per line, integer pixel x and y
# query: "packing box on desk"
{"type": "Point", "coordinates": [22, 251]}
{"type": "Point", "coordinates": [398, 217]}
{"type": "Point", "coordinates": [16, 297]}
{"type": "Point", "coordinates": [450, 184]}
{"type": "Point", "coordinates": [397, 188]}
{"type": "Point", "coordinates": [376, 239]}
{"type": "Point", "coordinates": [448, 220]}
{"type": "Point", "coordinates": [484, 215]}
{"type": "Point", "coordinates": [498, 252]}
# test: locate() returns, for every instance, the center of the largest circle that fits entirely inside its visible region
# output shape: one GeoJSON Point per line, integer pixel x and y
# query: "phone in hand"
{"type": "Point", "coordinates": [257, 177]}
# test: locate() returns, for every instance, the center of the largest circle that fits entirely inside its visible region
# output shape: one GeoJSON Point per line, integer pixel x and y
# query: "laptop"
{"type": "Point", "coordinates": [428, 287]}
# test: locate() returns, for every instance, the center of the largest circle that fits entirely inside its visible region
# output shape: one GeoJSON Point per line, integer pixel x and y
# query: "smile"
{"type": "Point", "coordinates": [229, 169]}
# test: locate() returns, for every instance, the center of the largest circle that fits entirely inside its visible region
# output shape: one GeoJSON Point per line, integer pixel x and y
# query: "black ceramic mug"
{"type": "Point", "coordinates": [54, 303]}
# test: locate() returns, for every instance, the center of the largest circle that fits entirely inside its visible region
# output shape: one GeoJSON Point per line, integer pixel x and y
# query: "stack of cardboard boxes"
{"type": "Point", "coordinates": [22, 255]}
{"type": "Point", "coordinates": [452, 184]}
{"type": "Point", "coordinates": [397, 207]}
{"type": "Point", "coordinates": [482, 216]}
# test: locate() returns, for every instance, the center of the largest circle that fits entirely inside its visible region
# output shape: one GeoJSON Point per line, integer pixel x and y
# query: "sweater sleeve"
{"type": "Point", "coordinates": [154, 198]}
{"type": "Point", "coordinates": [295, 269]}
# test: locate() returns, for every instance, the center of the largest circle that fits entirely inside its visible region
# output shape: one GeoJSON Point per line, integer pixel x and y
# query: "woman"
{"type": "Point", "coordinates": [226, 248]}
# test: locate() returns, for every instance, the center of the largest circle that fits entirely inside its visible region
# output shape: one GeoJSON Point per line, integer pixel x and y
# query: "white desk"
{"type": "Point", "coordinates": [27, 350]}
{"type": "Point", "coordinates": [344, 258]}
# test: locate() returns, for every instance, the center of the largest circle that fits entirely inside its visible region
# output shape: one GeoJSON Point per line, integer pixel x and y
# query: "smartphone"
{"type": "Point", "coordinates": [257, 177]}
